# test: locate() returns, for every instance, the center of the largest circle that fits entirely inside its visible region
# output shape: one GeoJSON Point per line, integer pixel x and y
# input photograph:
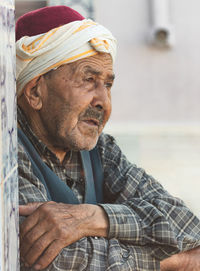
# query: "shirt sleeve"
{"type": "Point", "coordinates": [88, 253]}
{"type": "Point", "coordinates": [140, 210]}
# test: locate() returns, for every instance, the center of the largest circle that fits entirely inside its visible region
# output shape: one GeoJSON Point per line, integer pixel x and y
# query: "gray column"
{"type": "Point", "coordinates": [8, 142]}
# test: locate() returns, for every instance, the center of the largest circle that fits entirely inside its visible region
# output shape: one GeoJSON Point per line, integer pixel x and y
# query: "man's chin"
{"type": "Point", "coordinates": [76, 145]}
{"type": "Point", "coordinates": [88, 147]}
{"type": "Point", "coordinates": [87, 144]}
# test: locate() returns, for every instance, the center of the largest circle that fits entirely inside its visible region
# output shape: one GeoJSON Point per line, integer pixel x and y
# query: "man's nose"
{"type": "Point", "coordinates": [101, 98]}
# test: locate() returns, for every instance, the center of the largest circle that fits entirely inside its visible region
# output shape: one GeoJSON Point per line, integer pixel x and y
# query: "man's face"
{"type": "Point", "coordinates": [77, 102]}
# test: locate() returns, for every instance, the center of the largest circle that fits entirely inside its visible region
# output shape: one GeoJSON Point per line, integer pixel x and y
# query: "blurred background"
{"type": "Point", "coordinates": [156, 112]}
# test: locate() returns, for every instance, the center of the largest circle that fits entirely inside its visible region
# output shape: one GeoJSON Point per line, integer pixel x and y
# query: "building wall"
{"type": "Point", "coordinates": [154, 85]}
{"type": "Point", "coordinates": [8, 142]}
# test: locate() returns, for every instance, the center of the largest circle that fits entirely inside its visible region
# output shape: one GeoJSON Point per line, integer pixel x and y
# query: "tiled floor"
{"type": "Point", "coordinates": [170, 154]}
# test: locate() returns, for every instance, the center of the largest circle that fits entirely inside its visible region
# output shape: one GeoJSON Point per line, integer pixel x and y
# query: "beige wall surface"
{"type": "Point", "coordinates": [156, 94]}
{"type": "Point", "coordinates": [154, 85]}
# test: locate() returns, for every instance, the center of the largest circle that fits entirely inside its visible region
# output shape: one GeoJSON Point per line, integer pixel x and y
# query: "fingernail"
{"type": "Point", "coordinates": [37, 267]}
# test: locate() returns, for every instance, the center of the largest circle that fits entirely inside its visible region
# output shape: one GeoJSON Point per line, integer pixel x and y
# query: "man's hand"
{"type": "Point", "coordinates": [185, 261]}
{"type": "Point", "coordinates": [52, 226]}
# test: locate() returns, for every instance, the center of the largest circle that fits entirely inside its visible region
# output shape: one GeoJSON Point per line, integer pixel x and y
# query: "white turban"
{"type": "Point", "coordinates": [39, 54]}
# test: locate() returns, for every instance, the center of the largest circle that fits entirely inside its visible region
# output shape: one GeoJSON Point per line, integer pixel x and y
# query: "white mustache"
{"type": "Point", "coordinates": [94, 114]}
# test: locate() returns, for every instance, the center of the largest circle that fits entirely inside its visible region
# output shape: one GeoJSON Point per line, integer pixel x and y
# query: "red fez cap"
{"type": "Point", "coordinates": [42, 20]}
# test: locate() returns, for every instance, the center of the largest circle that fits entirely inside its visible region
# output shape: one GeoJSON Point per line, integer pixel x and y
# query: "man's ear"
{"type": "Point", "coordinates": [33, 94]}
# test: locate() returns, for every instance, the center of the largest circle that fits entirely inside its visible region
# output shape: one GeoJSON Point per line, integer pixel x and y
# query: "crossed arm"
{"type": "Point", "coordinates": [143, 218]}
{"type": "Point", "coordinates": [185, 261]}
{"type": "Point", "coordinates": [52, 226]}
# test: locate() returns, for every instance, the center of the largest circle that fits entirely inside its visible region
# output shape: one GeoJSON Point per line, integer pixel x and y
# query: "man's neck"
{"type": "Point", "coordinates": [59, 153]}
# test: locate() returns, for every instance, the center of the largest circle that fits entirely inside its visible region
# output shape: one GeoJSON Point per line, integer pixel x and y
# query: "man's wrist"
{"type": "Point", "coordinates": [97, 224]}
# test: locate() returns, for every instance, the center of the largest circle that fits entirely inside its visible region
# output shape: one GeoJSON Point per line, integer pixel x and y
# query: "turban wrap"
{"type": "Point", "coordinates": [38, 54]}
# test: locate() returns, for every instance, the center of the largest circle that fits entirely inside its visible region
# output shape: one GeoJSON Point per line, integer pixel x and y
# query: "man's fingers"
{"type": "Point", "coordinates": [28, 224]}
{"type": "Point", "coordinates": [28, 209]}
{"type": "Point", "coordinates": [49, 255]}
{"type": "Point", "coordinates": [38, 248]}
{"type": "Point", "coordinates": [27, 240]}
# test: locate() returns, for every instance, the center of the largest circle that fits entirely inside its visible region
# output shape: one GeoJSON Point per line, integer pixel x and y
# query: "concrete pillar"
{"type": "Point", "coordinates": [8, 142]}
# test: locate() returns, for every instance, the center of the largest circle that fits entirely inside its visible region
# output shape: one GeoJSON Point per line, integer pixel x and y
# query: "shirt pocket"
{"type": "Point", "coordinates": [119, 257]}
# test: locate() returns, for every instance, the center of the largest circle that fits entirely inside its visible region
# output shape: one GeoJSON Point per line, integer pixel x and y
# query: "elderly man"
{"type": "Point", "coordinates": [83, 205]}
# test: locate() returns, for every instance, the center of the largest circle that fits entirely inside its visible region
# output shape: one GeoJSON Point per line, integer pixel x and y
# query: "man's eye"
{"type": "Point", "coordinates": [89, 79]}
{"type": "Point", "coordinates": [108, 85]}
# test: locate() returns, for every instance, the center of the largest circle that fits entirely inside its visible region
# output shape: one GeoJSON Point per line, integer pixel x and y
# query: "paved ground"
{"type": "Point", "coordinates": [170, 154]}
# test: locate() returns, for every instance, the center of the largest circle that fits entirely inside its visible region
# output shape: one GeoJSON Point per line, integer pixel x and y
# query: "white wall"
{"type": "Point", "coordinates": [8, 142]}
{"type": "Point", "coordinates": [156, 112]}
{"type": "Point", "coordinates": [154, 85]}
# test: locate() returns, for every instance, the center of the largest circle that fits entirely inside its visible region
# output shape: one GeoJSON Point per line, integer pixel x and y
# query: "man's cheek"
{"type": "Point", "coordinates": [107, 115]}
{"type": "Point", "coordinates": [71, 122]}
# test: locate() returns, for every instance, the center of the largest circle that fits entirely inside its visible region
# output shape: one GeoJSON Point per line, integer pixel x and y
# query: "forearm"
{"type": "Point", "coordinates": [139, 222]}
{"type": "Point", "coordinates": [97, 223]}
{"type": "Point", "coordinates": [101, 254]}
{"type": "Point", "coordinates": [97, 252]}
{"type": "Point", "coordinates": [153, 216]}
{"type": "Point", "coordinates": [124, 224]}
{"type": "Point", "coordinates": [185, 261]}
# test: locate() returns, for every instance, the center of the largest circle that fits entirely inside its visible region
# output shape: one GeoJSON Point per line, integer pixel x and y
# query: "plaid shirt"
{"type": "Point", "coordinates": [146, 224]}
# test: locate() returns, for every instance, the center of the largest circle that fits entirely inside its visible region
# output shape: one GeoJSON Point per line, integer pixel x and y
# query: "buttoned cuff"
{"type": "Point", "coordinates": [123, 222]}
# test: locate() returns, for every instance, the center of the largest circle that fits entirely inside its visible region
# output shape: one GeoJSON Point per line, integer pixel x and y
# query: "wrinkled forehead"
{"type": "Point", "coordinates": [100, 64]}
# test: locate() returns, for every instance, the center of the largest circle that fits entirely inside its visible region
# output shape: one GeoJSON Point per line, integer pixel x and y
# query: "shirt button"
{"type": "Point", "coordinates": [125, 254]}
{"type": "Point", "coordinates": [96, 238]}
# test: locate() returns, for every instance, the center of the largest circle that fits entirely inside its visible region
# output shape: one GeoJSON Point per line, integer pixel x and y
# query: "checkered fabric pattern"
{"type": "Point", "coordinates": [147, 224]}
